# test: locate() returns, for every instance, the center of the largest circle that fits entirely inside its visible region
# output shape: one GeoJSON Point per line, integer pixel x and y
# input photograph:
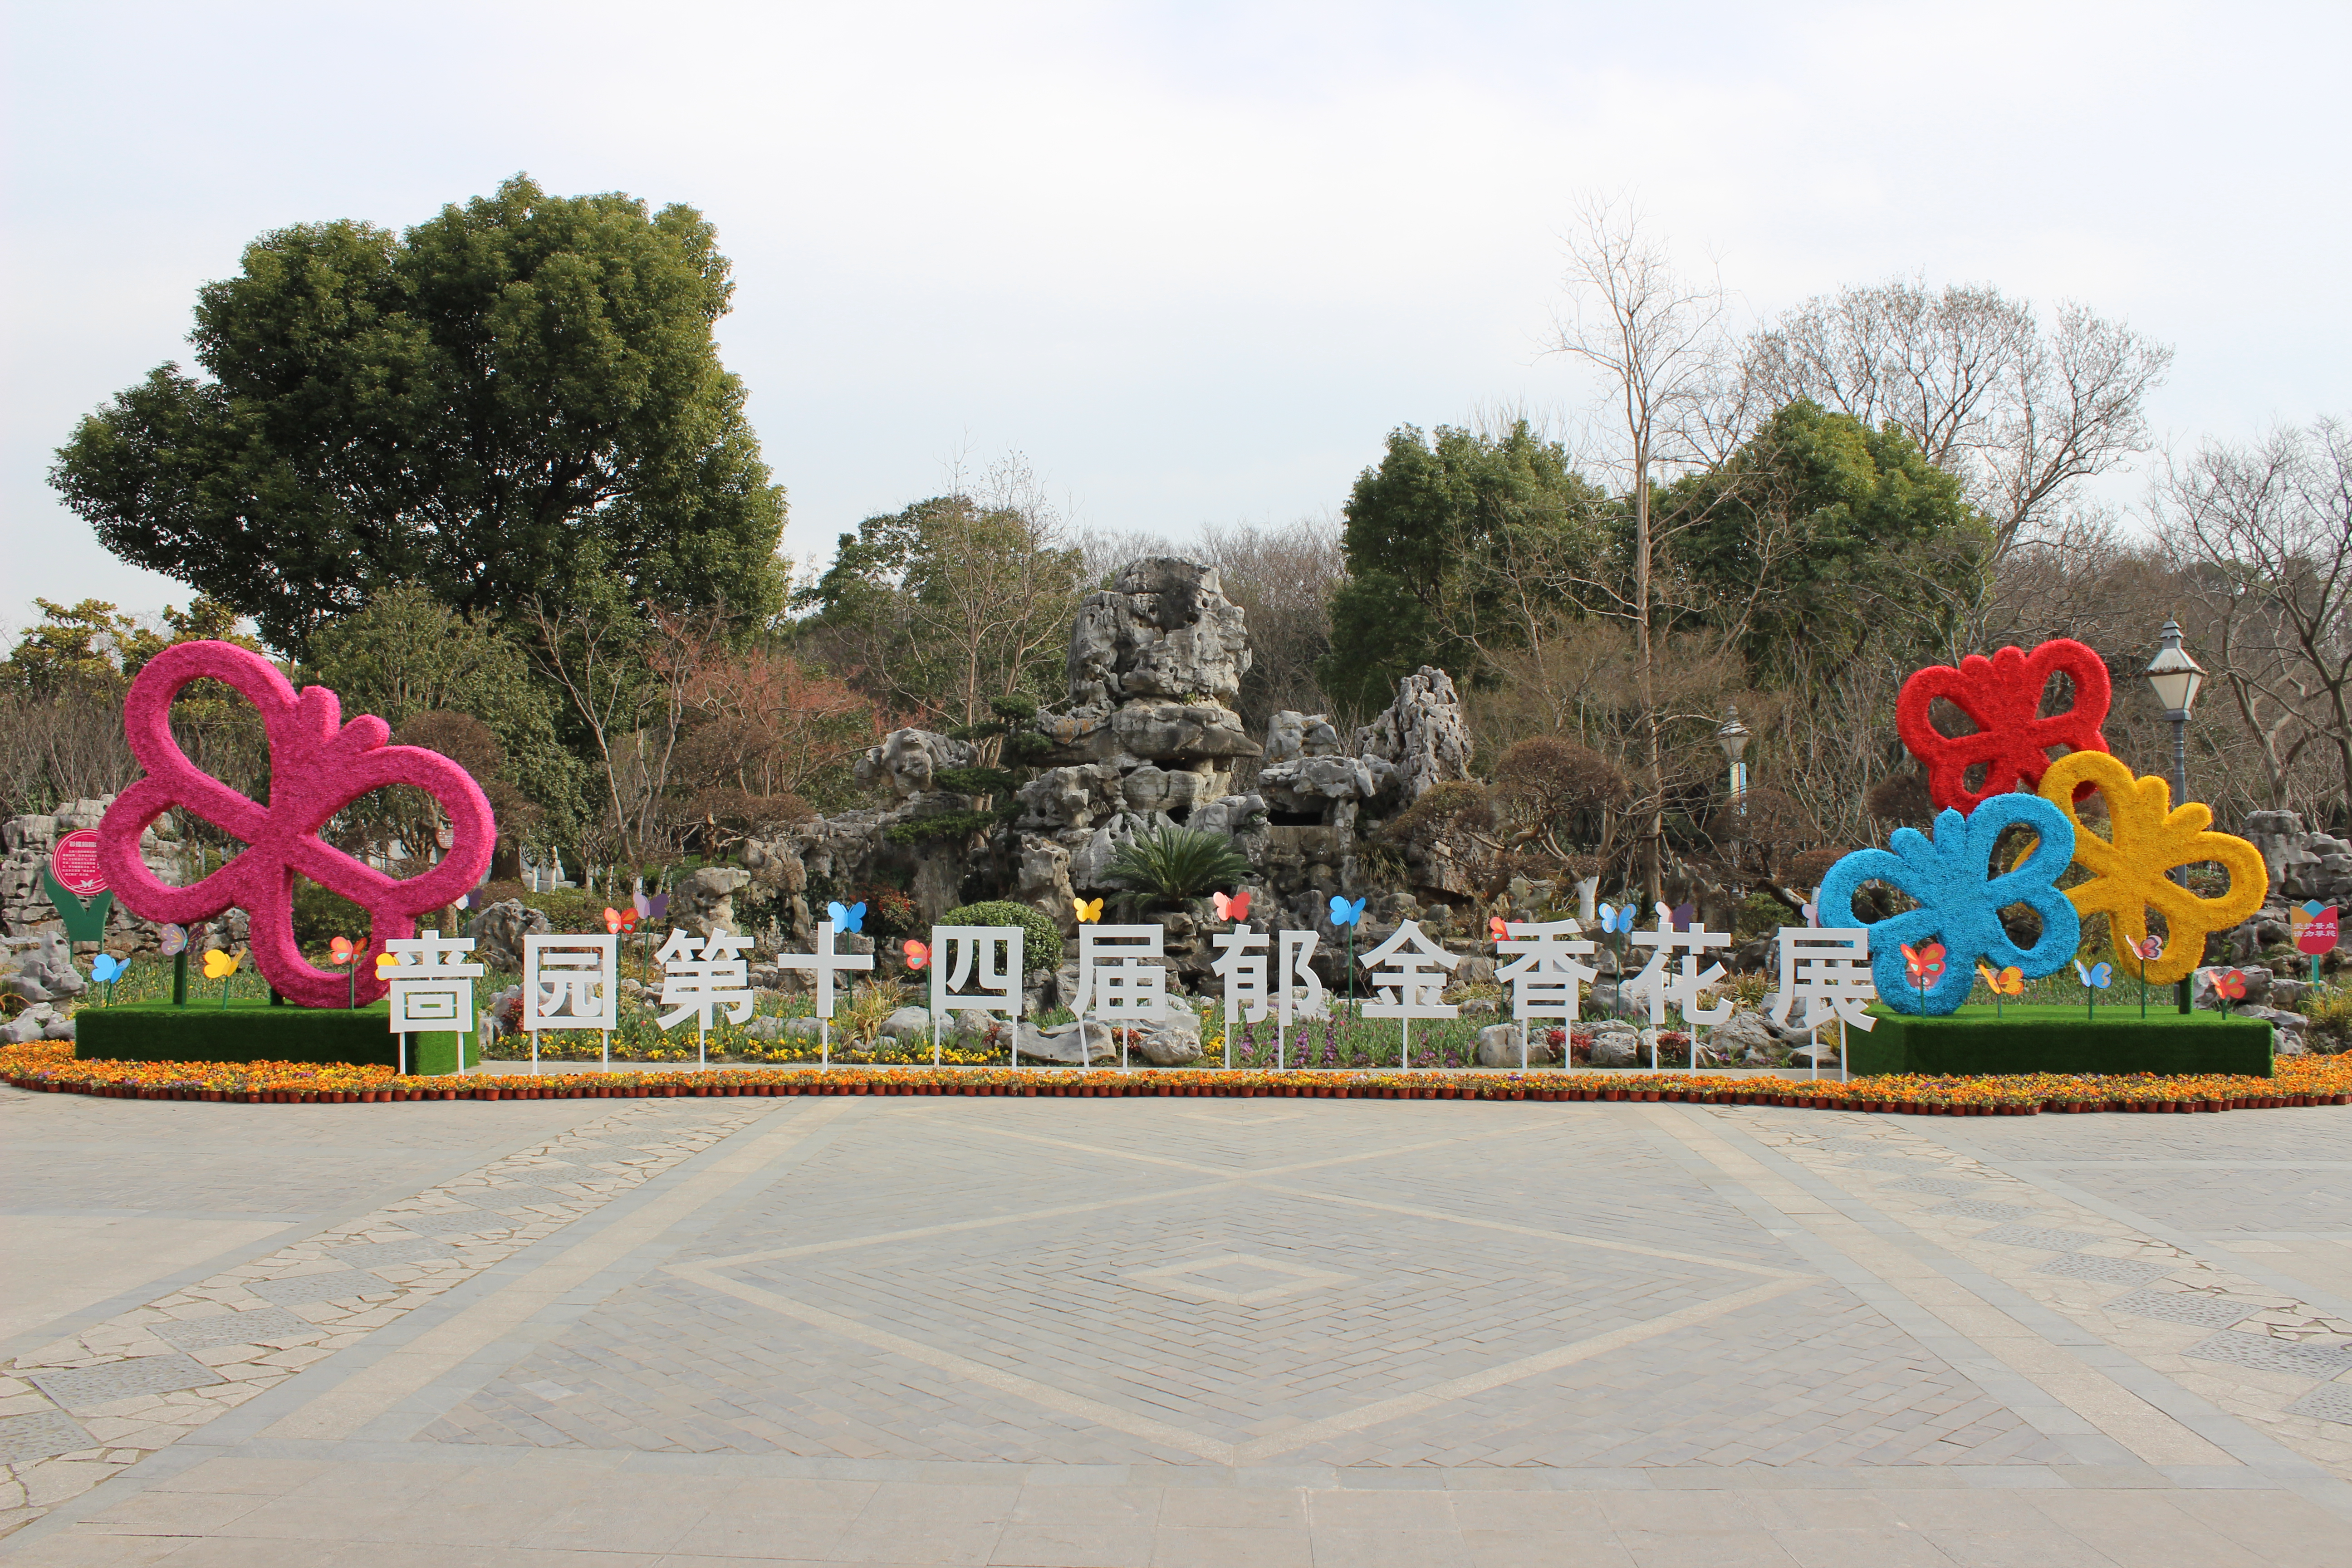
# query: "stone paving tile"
{"type": "Point", "coordinates": [2269, 1355]}
{"type": "Point", "coordinates": [79, 1387]}
{"type": "Point", "coordinates": [2111, 1270]}
{"type": "Point", "coordinates": [40, 1435]}
{"type": "Point", "coordinates": [258, 1326]}
{"type": "Point", "coordinates": [2182, 1307]}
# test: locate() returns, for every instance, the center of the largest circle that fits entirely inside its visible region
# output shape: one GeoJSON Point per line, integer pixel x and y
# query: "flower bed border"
{"type": "Point", "coordinates": [48, 1067]}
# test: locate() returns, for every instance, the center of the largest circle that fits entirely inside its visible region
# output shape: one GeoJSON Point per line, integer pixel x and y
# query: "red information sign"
{"type": "Point", "coordinates": [74, 863]}
{"type": "Point", "coordinates": [2318, 936]}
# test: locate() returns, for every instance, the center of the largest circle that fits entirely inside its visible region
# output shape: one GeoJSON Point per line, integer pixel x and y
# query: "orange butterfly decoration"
{"type": "Point", "coordinates": [1497, 927]}
{"type": "Point", "coordinates": [1236, 907]}
{"type": "Point", "coordinates": [918, 953]}
{"type": "Point", "coordinates": [342, 949]}
{"type": "Point", "coordinates": [615, 922]}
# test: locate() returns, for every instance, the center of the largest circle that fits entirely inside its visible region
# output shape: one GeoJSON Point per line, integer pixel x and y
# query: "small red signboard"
{"type": "Point", "coordinates": [2317, 936]}
{"type": "Point", "coordinates": [74, 863]}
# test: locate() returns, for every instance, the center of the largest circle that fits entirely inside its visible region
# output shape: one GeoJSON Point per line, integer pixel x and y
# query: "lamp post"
{"type": "Point", "coordinates": [1733, 738]}
{"type": "Point", "coordinates": [2175, 677]}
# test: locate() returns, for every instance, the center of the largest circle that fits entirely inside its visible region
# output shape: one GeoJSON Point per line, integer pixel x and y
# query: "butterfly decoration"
{"type": "Point", "coordinates": [2100, 975]}
{"type": "Point", "coordinates": [472, 900]}
{"type": "Point", "coordinates": [1499, 928]}
{"type": "Point", "coordinates": [2150, 949]}
{"type": "Point", "coordinates": [918, 953]}
{"type": "Point", "coordinates": [1344, 913]}
{"type": "Point", "coordinates": [219, 966]}
{"type": "Point", "coordinates": [1925, 964]}
{"type": "Point", "coordinates": [1088, 910]}
{"type": "Point", "coordinates": [2003, 697]}
{"type": "Point", "coordinates": [1236, 907]}
{"type": "Point", "coordinates": [1812, 913]}
{"type": "Point", "coordinates": [847, 918]}
{"type": "Point", "coordinates": [1684, 913]}
{"type": "Point", "coordinates": [2232, 984]}
{"type": "Point", "coordinates": [1614, 919]}
{"type": "Point", "coordinates": [653, 906]}
{"type": "Point", "coordinates": [2010, 982]}
{"type": "Point", "coordinates": [343, 951]}
{"type": "Point", "coordinates": [619, 921]}
{"type": "Point", "coordinates": [174, 943]}
{"type": "Point", "coordinates": [106, 969]}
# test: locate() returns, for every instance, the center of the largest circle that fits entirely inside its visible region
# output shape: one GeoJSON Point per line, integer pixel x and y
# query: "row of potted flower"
{"type": "Point", "coordinates": [50, 1065]}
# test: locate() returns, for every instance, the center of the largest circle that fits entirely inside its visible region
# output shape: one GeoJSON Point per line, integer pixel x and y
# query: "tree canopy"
{"type": "Point", "coordinates": [456, 406]}
{"type": "Point", "coordinates": [1412, 524]}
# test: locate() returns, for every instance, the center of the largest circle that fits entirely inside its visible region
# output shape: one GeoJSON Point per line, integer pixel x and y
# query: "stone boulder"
{"type": "Point", "coordinates": [1424, 736]}
{"type": "Point", "coordinates": [908, 761]}
{"type": "Point", "coordinates": [1164, 629]}
{"type": "Point", "coordinates": [1617, 1047]}
{"type": "Point", "coordinates": [1173, 1042]}
{"type": "Point", "coordinates": [1291, 736]}
{"type": "Point", "coordinates": [1063, 1043]}
{"type": "Point", "coordinates": [2201, 992]}
{"type": "Point", "coordinates": [41, 1021]}
{"type": "Point", "coordinates": [908, 1023]}
{"type": "Point", "coordinates": [498, 932]}
{"type": "Point", "coordinates": [704, 903]}
{"type": "Point", "coordinates": [1746, 1030]}
{"type": "Point", "coordinates": [43, 971]}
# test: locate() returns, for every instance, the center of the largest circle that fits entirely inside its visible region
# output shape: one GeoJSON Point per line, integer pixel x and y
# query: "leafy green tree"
{"type": "Point", "coordinates": [1413, 523]}
{"type": "Point", "coordinates": [93, 648]}
{"type": "Point", "coordinates": [1845, 530]}
{"type": "Point", "coordinates": [458, 407]}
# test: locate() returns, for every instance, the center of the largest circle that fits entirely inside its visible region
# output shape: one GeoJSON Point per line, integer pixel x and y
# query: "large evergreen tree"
{"type": "Point", "coordinates": [457, 406]}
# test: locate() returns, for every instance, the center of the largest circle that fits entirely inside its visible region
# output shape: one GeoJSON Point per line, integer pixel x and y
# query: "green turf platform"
{"type": "Point", "coordinates": [250, 1029]}
{"type": "Point", "coordinates": [2062, 1039]}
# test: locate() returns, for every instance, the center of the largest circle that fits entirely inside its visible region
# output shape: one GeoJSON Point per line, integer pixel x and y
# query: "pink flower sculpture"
{"type": "Point", "coordinates": [318, 766]}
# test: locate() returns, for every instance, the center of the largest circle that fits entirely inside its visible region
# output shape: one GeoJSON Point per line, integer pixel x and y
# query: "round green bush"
{"type": "Point", "coordinates": [1041, 939]}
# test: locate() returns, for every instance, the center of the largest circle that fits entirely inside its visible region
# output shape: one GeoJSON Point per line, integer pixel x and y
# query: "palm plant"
{"type": "Point", "coordinates": [1173, 864]}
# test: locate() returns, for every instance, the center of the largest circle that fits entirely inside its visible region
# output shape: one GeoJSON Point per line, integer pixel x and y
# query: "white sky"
{"type": "Point", "coordinates": [1194, 262]}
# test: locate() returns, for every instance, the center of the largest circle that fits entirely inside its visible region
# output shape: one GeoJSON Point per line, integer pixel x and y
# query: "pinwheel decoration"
{"type": "Point", "coordinates": [918, 953]}
{"type": "Point", "coordinates": [1088, 910]}
{"type": "Point", "coordinates": [845, 918]}
{"type": "Point", "coordinates": [2008, 981]}
{"type": "Point", "coordinates": [2096, 979]}
{"type": "Point", "coordinates": [1347, 914]}
{"type": "Point", "coordinates": [1959, 903]}
{"type": "Point", "coordinates": [1233, 908]}
{"type": "Point", "coordinates": [2231, 986]}
{"type": "Point", "coordinates": [106, 969]}
{"type": "Point", "coordinates": [1925, 964]}
{"type": "Point", "coordinates": [344, 953]}
{"type": "Point", "coordinates": [219, 966]}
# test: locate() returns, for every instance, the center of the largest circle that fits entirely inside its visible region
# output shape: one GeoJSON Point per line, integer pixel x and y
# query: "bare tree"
{"type": "Point", "coordinates": [1283, 578]}
{"type": "Point", "coordinates": [2021, 414]}
{"type": "Point", "coordinates": [1658, 339]}
{"type": "Point", "coordinates": [2262, 536]}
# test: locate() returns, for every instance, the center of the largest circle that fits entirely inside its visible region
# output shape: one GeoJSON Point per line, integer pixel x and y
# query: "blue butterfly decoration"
{"type": "Point", "coordinates": [1613, 919]}
{"type": "Point", "coordinates": [850, 918]}
{"type": "Point", "coordinates": [106, 969]}
{"type": "Point", "coordinates": [2098, 976]}
{"type": "Point", "coordinates": [1344, 913]}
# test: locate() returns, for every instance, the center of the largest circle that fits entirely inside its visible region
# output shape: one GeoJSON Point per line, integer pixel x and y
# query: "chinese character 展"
{"type": "Point", "coordinates": [961, 955]}
{"type": "Point", "coordinates": [431, 991]}
{"type": "Point", "coordinates": [1546, 979]}
{"type": "Point", "coordinates": [1119, 976]}
{"type": "Point", "coordinates": [1410, 971]}
{"type": "Point", "coordinates": [1830, 970]}
{"type": "Point", "coordinates": [1664, 988]}
{"type": "Point", "coordinates": [702, 976]}
{"type": "Point", "coordinates": [571, 982]}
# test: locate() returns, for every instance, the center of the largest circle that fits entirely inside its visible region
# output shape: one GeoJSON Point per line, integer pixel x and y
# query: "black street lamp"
{"type": "Point", "coordinates": [2175, 677]}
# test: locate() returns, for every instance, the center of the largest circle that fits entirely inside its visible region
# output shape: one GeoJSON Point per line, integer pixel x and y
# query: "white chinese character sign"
{"type": "Point", "coordinates": [1120, 978]}
{"type": "Point", "coordinates": [974, 969]}
{"type": "Point", "coordinates": [429, 990]}
{"type": "Point", "coordinates": [571, 982]}
{"type": "Point", "coordinates": [1663, 986]}
{"type": "Point", "coordinates": [1409, 972]}
{"type": "Point", "coordinates": [1294, 990]}
{"type": "Point", "coordinates": [1828, 968]}
{"type": "Point", "coordinates": [1546, 974]}
{"type": "Point", "coordinates": [827, 964]}
{"type": "Point", "coordinates": [705, 976]}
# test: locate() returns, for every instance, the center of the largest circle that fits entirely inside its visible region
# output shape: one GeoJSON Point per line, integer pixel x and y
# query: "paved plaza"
{"type": "Point", "coordinates": [705, 1332]}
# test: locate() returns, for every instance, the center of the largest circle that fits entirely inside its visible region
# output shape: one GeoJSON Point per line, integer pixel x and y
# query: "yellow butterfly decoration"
{"type": "Point", "coordinates": [2010, 982]}
{"type": "Point", "coordinates": [2152, 836]}
{"type": "Point", "coordinates": [219, 966]}
{"type": "Point", "coordinates": [385, 963]}
{"type": "Point", "coordinates": [1089, 909]}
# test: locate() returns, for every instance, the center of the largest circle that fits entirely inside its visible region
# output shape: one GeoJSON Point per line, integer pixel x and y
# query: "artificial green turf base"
{"type": "Point", "coordinates": [2062, 1039]}
{"type": "Point", "coordinates": [249, 1030]}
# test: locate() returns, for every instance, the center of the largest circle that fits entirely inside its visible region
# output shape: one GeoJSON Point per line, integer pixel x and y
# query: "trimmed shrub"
{"type": "Point", "coordinates": [1041, 939]}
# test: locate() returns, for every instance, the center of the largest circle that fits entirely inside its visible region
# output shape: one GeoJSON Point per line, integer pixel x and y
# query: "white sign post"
{"type": "Point", "coordinates": [827, 964]}
{"type": "Point", "coordinates": [571, 982]}
{"type": "Point", "coordinates": [1409, 972]}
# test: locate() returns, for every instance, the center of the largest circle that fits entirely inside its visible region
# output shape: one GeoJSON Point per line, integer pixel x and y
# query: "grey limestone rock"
{"type": "Point", "coordinates": [908, 1023]}
{"type": "Point", "coordinates": [908, 759]}
{"type": "Point", "coordinates": [1616, 1049]}
{"type": "Point", "coordinates": [1422, 736]}
{"type": "Point", "coordinates": [1165, 629]}
{"type": "Point", "coordinates": [1063, 1043]}
{"type": "Point", "coordinates": [498, 932]}
{"type": "Point", "coordinates": [2203, 993]}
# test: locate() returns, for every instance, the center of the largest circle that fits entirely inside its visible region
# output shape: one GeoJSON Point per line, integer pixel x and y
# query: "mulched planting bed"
{"type": "Point", "coordinates": [49, 1066]}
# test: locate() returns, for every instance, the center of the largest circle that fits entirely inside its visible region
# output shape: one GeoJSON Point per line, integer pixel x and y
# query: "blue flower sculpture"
{"type": "Point", "coordinates": [1959, 901]}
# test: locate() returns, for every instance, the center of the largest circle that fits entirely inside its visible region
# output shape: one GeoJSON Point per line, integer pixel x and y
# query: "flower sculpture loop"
{"type": "Point", "coordinates": [1960, 901]}
{"type": "Point", "coordinates": [2151, 837]}
{"type": "Point", "coordinates": [2002, 696]}
{"type": "Point", "coordinates": [318, 766]}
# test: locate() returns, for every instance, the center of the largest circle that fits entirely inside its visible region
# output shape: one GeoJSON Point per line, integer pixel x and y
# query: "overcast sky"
{"type": "Point", "coordinates": [1195, 261]}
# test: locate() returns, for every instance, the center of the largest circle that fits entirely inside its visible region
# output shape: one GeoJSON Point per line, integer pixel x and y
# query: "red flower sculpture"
{"type": "Point", "coordinates": [318, 766]}
{"type": "Point", "coordinates": [2002, 696]}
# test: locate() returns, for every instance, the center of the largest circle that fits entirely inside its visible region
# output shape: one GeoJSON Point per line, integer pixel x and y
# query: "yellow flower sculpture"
{"type": "Point", "coordinates": [2127, 873]}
